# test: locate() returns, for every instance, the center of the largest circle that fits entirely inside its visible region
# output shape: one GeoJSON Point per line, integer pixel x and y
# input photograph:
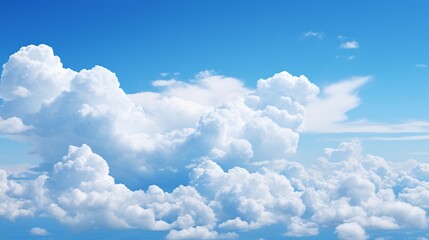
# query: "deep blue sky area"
{"type": "Point", "coordinates": [140, 39]}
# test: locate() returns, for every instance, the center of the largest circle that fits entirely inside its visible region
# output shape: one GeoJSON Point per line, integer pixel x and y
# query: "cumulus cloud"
{"type": "Point", "coordinates": [352, 194]}
{"type": "Point", "coordinates": [349, 45]}
{"type": "Point", "coordinates": [201, 159]}
{"type": "Point", "coordinates": [198, 233]}
{"type": "Point", "coordinates": [215, 116]}
{"type": "Point", "coordinates": [351, 231]}
{"type": "Point", "coordinates": [12, 125]}
{"type": "Point", "coordinates": [33, 76]}
{"type": "Point", "coordinates": [247, 200]}
{"type": "Point", "coordinates": [37, 231]}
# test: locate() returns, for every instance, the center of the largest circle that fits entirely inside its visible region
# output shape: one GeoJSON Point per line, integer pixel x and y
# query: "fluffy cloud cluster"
{"type": "Point", "coordinates": [151, 135]}
{"type": "Point", "coordinates": [210, 153]}
{"type": "Point", "coordinates": [351, 195]}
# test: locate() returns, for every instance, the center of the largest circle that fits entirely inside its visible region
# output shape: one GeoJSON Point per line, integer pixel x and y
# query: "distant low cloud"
{"type": "Point", "coordinates": [37, 231]}
{"type": "Point", "coordinates": [349, 45]}
{"type": "Point", "coordinates": [350, 58]}
{"type": "Point", "coordinates": [319, 35]}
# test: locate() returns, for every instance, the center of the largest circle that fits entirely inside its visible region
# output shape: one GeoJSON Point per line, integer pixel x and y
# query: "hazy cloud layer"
{"type": "Point", "coordinates": [203, 159]}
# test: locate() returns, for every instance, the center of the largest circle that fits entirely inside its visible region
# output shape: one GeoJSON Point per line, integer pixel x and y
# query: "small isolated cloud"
{"type": "Point", "coordinates": [37, 231]}
{"type": "Point", "coordinates": [349, 45]}
{"type": "Point", "coordinates": [421, 65]}
{"type": "Point", "coordinates": [164, 83]}
{"type": "Point", "coordinates": [164, 74]}
{"type": "Point", "coordinates": [319, 35]}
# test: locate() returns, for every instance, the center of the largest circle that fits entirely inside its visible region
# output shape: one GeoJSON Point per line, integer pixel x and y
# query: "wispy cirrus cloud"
{"type": "Point", "coordinates": [311, 34]}
{"type": "Point", "coordinates": [403, 138]}
{"type": "Point", "coordinates": [328, 112]}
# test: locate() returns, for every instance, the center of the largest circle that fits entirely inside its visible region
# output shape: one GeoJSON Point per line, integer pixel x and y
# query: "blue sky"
{"type": "Point", "coordinates": [203, 83]}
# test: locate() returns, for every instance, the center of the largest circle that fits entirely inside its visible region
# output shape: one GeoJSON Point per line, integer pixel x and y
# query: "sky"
{"type": "Point", "coordinates": [214, 119]}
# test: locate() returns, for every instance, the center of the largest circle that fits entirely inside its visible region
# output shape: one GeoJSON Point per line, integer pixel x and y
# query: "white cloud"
{"type": "Point", "coordinates": [165, 83]}
{"type": "Point", "coordinates": [325, 112]}
{"type": "Point", "coordinates": [37, 231]}
{"type": "Point", "coordinates": [421, 65]}
{"type": "Point", "coordinates": [244, 200]}
{"type": "Point", "coordinates": [219, 148]}
{"type": "Point", "coordinates": [328, 112]}
{"type": "Point", "coordinates": [21, 91]}
{"type": "Point", "coordinates": [217, 115]}
{"type": "Point", "coordinates": [352, 194]}
{"type": "Point", "coordinates": [32, 76]}
{"type": "Point", "coordinates": [298, 228]}
{"type": "Point", "coordinates": [11, 206]}
{"type": "Point", "coordinates": [198, 233]}
{"type": "Point", "coordinates": [85, 195]}
{"type": "Point", "coordinates": [351, 231]}
{"type": "Point", "coordinates": [402, 138]}
{"type": "Point", "coordinates": [349, 45]}
{"type": "Point", "coordinates": [12, 125]}
{"type": "Point", "coordinates": [319, 35]}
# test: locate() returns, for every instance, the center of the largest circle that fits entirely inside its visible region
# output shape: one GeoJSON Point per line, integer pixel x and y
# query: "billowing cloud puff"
{"type": "Point", "coordinates": [12, 125]}
{"type": "Point", "coordinates": [350, 195]}
{"type": "Point", "coordinates": [11, 206]}
{"type": "Point", "coordinates": [33, 76]}
{"type": "Point", "coordinates": [351, 231]}
{"type": "Point", "coordinates": [246, 200]}
{"type": "Point", "coordinates": [161, 132]}
{"type": "Point", "coordinates": [84, 194]}
{"type": "Point", "coordinates": [80, 193]}
{"type": "Point", "coordinates": [204, 159]}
